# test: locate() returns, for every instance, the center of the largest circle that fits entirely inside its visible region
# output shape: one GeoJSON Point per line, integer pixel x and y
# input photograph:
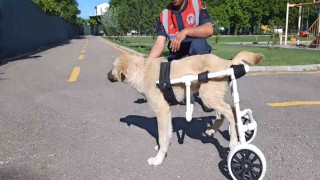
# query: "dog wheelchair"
{"type": "Point", "coordinates": [245, 161]}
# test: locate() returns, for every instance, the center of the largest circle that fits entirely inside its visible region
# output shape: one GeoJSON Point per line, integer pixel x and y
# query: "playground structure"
{"type": "Point", "coordinates": [265, 28]}
{"type": "Point", "coordinates": [313, 32]}
{"type": "Point", "coordinates": [276, 33]}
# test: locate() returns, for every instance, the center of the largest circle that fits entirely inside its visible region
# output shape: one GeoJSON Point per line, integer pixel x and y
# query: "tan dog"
{"type": "Point", "coordinates": [142, 75]}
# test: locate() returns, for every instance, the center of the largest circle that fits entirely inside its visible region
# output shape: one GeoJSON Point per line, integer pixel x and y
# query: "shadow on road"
{"type": "Point", "coordinates": [140, 101]}
{"type": "Point", "coordinates": [23, 173]}
{"type": "Point", "coordinates": [34, 57]}
{"type": "Point", "coordinates": [194, 129]}
{"type": "Point", "coordinates": [31, 54]}
{"type": "Point", "coordinates": [1, 77]}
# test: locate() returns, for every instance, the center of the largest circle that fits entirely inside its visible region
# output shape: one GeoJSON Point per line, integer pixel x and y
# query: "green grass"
{"type": "Point", "coordinates": [253, 38]}
{"type": "Point", "coordinates": [273, 56]}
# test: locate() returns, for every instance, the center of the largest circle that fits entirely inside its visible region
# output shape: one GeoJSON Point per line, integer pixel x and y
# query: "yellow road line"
{"type": "Point", "coordinates": [294, 103]}
{"type": "Point", "coordinates": [121, 50]}
{"type": "Point", "coordinates": [74, 75]}
{"type": "Point", "coordinates": [81, 57]}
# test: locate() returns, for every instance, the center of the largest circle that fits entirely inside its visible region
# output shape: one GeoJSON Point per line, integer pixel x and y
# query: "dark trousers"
{"type": "Point", "coordinates": [188, 48]}
{"type": "Point", "coordinates": [193, 46]}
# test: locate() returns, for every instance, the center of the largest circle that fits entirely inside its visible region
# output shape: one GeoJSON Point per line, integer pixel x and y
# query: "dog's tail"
{"type": "Point", "coordinates": [250, 57]}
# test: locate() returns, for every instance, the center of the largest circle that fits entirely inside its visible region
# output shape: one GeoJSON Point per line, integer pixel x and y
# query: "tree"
{"type": "Point", "coordinates": [221, 15]}
{"type": "Point", "coordinates": [110, 22]}
{"type": "Point", "coordinates": [67, 9]}
{"type": "Point", "coordinates": [80, 21]}
{"type": "Point", "coordinates": [235, 15]}
{"type": "Point", "coordinates": [140, 15]}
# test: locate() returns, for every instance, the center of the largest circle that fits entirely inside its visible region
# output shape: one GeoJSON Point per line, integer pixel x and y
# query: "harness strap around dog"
{"type": "Point", "coordinates": [238, 70]}
{"type": "Point", "coordinates": [203, 77]}
{"type": "Point", "coordinates": [165, 85]}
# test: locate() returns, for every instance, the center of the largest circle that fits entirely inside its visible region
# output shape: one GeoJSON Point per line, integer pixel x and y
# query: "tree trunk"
{"type": "Point", "coordinates": [139, 35]}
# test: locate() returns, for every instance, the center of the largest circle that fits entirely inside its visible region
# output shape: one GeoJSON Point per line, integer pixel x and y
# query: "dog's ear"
{"type": "Point", "coordinates": [122, 76]}
{"type": "Point", "coordinates": [125, 61]}
{"type": "Point", "coordinates": [122, 71]}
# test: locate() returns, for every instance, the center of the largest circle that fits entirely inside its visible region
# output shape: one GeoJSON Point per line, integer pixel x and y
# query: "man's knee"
{"type": "Point", "coordinates": [199, 46]}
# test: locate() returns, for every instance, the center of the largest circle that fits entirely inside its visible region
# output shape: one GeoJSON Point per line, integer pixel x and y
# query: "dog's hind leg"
{"type": "Point", "coordinates": [165, 134]}
{"type": "Point", "coordinates": [226, 110]}
{"type": "Point", "coordinates": [212, 95]}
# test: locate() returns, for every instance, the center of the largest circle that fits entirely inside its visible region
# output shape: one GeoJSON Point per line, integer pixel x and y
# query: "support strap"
{"type": "Point", "coordinates": [165, 85]}
{"type": "Point", "coordinates": [203, 77]}
{"type": "Point", "coordinates": [165, 20]}
{"type": "Point", "coordinates": [197, 10]}
{"type": "Point", "coordinates": [238, 70]}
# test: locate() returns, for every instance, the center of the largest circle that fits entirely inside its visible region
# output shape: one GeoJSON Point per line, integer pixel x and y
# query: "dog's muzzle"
{"type": "Point", "coordinates": [111, 77]}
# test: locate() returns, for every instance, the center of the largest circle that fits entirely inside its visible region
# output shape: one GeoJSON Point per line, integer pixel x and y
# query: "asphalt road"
{"type": "Point", "coordinates": [90, 129]}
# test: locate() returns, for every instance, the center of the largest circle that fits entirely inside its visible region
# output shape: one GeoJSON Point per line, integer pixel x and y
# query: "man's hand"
{"type": "Point", "coordinates": [178, 38]}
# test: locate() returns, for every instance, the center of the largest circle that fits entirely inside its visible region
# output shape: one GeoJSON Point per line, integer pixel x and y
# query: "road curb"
{"type": "Point", "coordinates": [124, 48]}
{"type": "Point", "coordinates": [296, 68]}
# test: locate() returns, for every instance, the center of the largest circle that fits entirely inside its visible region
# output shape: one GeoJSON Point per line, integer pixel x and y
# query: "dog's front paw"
{"type": "Point", "coordinates": [154, 161]}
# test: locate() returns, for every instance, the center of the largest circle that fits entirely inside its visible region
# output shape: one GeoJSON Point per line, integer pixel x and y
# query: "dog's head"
{"type": "Point", "coordinates": [119, 69]}
{"type": "Point", "coordinates": [124, 67]}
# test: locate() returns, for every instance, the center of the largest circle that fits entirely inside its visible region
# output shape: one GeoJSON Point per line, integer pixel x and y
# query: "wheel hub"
{"type": "Point", "coordinates": [246, 166]}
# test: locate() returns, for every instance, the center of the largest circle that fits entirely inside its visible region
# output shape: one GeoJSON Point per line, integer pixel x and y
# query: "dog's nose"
{"type": "Point", "coordinates": [111, 77]}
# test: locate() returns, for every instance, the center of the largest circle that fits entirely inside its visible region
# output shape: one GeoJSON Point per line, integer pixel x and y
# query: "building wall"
{"type": "Point", "coordinates": [24, 27]}
{"type": "Point", "coordinates": [101, 9]}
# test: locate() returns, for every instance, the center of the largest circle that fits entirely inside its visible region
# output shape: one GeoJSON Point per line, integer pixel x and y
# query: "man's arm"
{"type": "Point", "coordinates": [157, 47]}
{"type": "Point", "coordinates": [160, 42]}
{"type": "Point", "coordinates": [203, 31]}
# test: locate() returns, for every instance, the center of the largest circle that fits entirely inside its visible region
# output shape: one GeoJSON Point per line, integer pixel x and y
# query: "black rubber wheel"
{"type": "Point", "coordinates": [246, 165]}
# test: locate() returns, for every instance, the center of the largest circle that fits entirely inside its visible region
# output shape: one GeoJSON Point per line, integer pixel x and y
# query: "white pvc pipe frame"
{"type": "Point", "coordinates": [187, 79]}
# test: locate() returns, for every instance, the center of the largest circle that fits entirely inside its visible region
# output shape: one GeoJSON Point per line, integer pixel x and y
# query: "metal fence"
{"type": "Point", "coordinates": [24, 27]}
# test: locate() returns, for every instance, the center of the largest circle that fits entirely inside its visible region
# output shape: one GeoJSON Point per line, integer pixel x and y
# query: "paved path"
{"type": "Point", "coordinates": [54, 128]}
